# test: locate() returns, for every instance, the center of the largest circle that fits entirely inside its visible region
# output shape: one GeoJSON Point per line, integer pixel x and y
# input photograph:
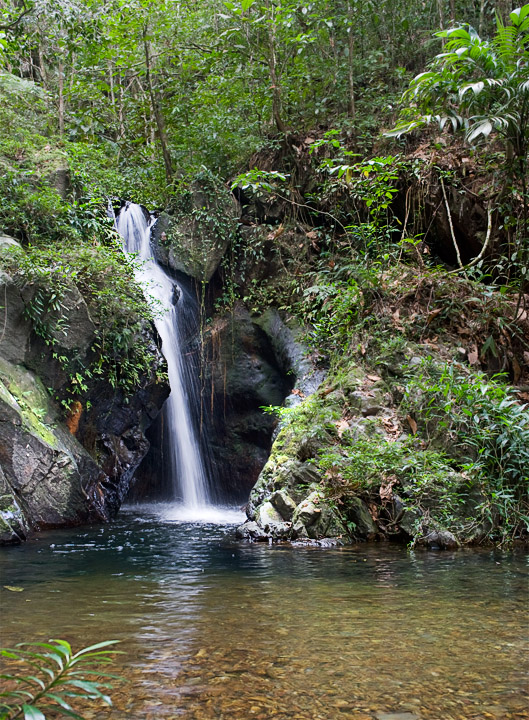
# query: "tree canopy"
{"type": "Point", "coordinates": [174, 85]}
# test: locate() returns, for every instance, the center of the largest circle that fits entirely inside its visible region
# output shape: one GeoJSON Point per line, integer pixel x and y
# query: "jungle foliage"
{"type": "Point", "coordinates": [135, 98]}
{"type": "Point", "coordinates": [57, 679]}
{"type": "Point", "coordinates": [163, 87]}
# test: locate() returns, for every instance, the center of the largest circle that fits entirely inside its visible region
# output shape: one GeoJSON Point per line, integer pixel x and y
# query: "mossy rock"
{"type": "Point", "coordinates": [193, 235]}
{"type": "Point", "coordinates": [47, 479]}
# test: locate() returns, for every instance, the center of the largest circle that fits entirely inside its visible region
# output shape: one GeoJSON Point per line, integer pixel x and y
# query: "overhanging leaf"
{"type": "Point", "coordinates": [484, 128]}
{"type": "Point", "coordinates": [32, 713]}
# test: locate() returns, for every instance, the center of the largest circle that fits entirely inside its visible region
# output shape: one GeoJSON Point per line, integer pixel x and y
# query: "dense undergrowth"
{"type": "Point", "coordinates": [452, 449]}
{"type": "Point", "coordinates": [443, 345]}
{"type": "Point", "coordinates": [67, 243]}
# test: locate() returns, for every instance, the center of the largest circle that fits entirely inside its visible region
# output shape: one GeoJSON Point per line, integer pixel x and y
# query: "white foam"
{"type": "Point", "coordinates": [204, 515]}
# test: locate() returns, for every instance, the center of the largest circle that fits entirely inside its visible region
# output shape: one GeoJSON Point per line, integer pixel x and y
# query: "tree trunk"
{"type": "Point", "coordinates": [453, 12]}
{"type": "Point", "coordinates": [274, 79]}
{"type": "Point", "coordinates": [61, 97]}
{"type": "Point", "coordinates": [351, 45]}
{"type": "Point", "coordinates": [72, 73]}
{"type": "Point", "coordinates": [481, 18]}
{"type": "Point", "coordinates": [120, 111]}
{"type": "Point", "coordinates": [111, 84]}
{"type": "Point", "coordinates": [158, 115]}
{"type": "Point", "coordinates": [42, 67]}
{"type": "Point", "coordinates": [440, 11]}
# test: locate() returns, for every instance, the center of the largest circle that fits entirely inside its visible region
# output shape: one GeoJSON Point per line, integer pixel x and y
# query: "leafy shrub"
{"type": "Point", "coordinates": [490, 432]}
{"type": "Point", "coordinates": [332, 309]}
{"type": "Point", "coordinates": [56, 675]}
{"type": "Point", "coordinates": [120, 352]}
{"type": "Point", "coordinates": [364, 462]}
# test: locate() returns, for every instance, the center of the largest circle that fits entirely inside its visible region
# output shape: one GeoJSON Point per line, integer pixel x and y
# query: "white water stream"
{"type": "Point", "coordinates": [189, 481]}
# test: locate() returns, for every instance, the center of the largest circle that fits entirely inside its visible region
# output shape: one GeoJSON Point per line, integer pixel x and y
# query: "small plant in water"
{"type": "Point", "coordinates": [56, 676]}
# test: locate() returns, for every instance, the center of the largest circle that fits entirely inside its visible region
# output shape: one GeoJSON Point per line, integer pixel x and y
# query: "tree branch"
{"type": "Point", "coordinates": [9, 26]}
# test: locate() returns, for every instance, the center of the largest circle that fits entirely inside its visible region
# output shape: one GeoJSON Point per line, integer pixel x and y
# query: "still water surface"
{"type": "Point", "coordinates": [213, 628]}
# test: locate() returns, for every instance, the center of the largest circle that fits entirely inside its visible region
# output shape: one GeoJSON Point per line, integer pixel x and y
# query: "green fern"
{"type": "Point", "coordinates": [56, 676]}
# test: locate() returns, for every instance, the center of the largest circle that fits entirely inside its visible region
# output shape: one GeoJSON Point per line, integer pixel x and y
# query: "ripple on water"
{"type": "Point", "coordinates": [212, 628]}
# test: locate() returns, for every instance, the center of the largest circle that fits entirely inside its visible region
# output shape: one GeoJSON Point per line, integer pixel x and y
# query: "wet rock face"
{"type": "Point", "coordinates": [242, 375]}
{"type": "Point", "coordinates": [13, 528]}
{"type": "Point", "coordinates": [57, 471]}
{"type": "Point", "coordinates": [47, 478]}
{"type": "Point", "coordinates": [113, 429]}
{"type": "Point", "coordinates": [250, 363]}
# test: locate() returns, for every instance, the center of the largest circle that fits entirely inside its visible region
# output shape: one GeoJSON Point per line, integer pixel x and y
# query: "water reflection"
{"type": "Point", "coordinates": [213, 628]}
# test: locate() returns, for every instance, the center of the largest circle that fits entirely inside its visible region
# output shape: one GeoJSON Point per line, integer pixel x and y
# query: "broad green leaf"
{"type": "Point", "coordinates": [518, 15]}
{"type": "Point", "coordinates": [476, 88]}
{"type": "Point", "coordinates": [32, 713]}
{"type": "Point", "coordinates": [458, 32]}
{"type": "Point", "coordinates": [484, 128]}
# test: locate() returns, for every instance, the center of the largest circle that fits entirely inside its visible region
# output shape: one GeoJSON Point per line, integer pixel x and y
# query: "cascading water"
{"type": "Point", "coordinates": [189, 480]}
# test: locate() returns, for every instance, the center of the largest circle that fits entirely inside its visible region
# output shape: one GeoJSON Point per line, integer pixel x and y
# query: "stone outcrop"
{"type": "Point", "coordinates": [193, 234]}
{"type": "Point", "coordinates": [47, 478]}
{"type": "Point", "coordinates": [250, 363]}
{"type": "Point", "coordinates": [56, 469]}
{"type": "Point", "coordinates": [294, 499]}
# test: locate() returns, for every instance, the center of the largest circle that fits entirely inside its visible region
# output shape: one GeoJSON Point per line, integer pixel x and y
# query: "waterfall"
{"type": "Point", "coordinates": [189, 480]}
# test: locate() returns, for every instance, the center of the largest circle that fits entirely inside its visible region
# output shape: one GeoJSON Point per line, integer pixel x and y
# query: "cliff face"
{"type": "Point", "coordinates": [63, 467]}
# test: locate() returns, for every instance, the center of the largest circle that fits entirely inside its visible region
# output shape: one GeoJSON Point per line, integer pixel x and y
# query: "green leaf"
{"type": "Point", "coordinates": [484, 128]}
{"type": "Point", "coordinates": [72, 714]}
{"type": "Point", "coordinates": [59, 700]}
{"type": "Point", "coordinates": [517, 16]}
{"type": "Point", "coordinates": [476, 88]}
{"type": "Point", "coordinates": [32, 713]}
{"type": "Point", "coordinates": [97, 646]}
